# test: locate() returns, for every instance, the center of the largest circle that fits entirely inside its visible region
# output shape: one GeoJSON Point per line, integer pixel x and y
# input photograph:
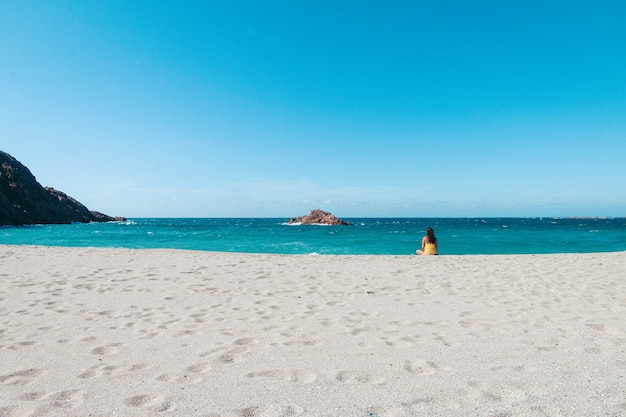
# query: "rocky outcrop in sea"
{"type": "Point", "coordinates": [24, 201]}
{"type": "Point", "coordinates": [318, 216]}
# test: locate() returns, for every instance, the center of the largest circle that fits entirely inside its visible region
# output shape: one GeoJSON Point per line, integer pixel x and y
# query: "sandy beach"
{"type": "Point", "coordinates": [103, 332]}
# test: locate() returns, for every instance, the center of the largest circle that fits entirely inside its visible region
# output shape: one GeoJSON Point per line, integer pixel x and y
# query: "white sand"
{"type": "Point", "coordinates": [102, 332]}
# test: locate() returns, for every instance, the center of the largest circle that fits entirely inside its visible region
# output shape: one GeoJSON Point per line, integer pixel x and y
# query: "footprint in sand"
{"type": "Point", "coordinates": [67, 398]}
{"type": "Point", "coordinates": [97, 371]}
{"type": "Point", "coordinates": [165, 377]}
{"type": "Point", "coordinates": [109, 349]}
{"type": "Point", "coordinates": [89, 373]}
{"type": "Point", "coordinates": [477, 391]}
{"type": "Point", "coordinates": [400, 343]}
{"type": "Point", "coordinates": [227, 356]}
{"type": "Point", "coordinates": [294, 375]}
{"type": "Point", "coordinates": [193, 373]}
{"type": "Point", "coordinates": [361, 313]}
{"type": "Point", "coordinates": [198, 367]}
{"type": "Point", "coordinates": [360, 330]}
{"type": "Point", "coordinates": [245, 341]}
{"type": "Point", "coordinates": [514, 369]}
{"type": "Point", "coordinates": [272, 410]}
{"type": "Point", "coordinates": [420, 367]}
{"type": "Point", "coordinates": [31, 396]}
{"type": "Point", "coordinates": [89, 339]}
{"type": "Point", "coordinates": [303, 342]}
{"type": "Point", "coordinates": [21, 345]}
{"type": "Point", "coordinates": [143, 401]}
{"type": "Point", "coordinates": [358, 377]}
{"type": "Point", "coordinates": [21, 377]}
{"type": "Point", "coordinates": [233, 354]}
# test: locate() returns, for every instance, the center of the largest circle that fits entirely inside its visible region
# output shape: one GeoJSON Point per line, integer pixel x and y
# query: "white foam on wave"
{"type": "Point", "coordinates": [308, 224]}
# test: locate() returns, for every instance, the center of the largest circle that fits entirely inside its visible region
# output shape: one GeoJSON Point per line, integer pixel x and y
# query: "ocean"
{"type": "Point", "coordinates": [366, 236]}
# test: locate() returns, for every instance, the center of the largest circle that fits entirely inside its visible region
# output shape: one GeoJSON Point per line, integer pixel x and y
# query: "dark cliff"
{"type": "Point", "coordinates": [24, 201]}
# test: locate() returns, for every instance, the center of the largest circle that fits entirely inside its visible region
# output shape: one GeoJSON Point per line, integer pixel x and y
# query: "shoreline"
{"type": "Point", "coordinates": [407, 255]}
{"type": "Point", "coordinates": [146, 332]}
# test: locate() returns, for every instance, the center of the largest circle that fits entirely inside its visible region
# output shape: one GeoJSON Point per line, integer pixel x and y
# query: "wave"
{"type": "Point", "coordinates": [305, 224]}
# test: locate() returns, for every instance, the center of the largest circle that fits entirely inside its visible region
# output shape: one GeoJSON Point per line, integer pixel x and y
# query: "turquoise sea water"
{"type": "Point", "coordinates": [394, 236]}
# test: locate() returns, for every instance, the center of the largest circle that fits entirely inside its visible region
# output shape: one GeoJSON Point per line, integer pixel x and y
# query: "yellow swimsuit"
{"type": "Point", "coordinates": [430, 249]}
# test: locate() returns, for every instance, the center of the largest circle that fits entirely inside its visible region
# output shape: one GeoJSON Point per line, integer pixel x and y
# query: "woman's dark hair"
{"type": "Point", "coordinates": [431, 235]}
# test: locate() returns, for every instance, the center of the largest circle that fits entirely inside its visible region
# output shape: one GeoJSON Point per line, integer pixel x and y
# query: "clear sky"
{"type": "Point", "coordinates": [362, 108]}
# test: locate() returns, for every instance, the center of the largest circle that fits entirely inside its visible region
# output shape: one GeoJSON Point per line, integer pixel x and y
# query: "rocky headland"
{"type": "Point", "coordinates": [318, 216]}
{"type": "Point", "coordinates": [24, 201]}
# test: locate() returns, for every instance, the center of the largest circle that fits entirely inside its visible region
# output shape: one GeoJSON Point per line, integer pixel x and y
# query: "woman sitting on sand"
{"type": "Point", "coordinates": [429, 243]}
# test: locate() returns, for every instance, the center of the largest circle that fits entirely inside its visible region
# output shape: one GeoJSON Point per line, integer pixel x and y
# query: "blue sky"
{"type": "Point", "coordinates": [364, 109]}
